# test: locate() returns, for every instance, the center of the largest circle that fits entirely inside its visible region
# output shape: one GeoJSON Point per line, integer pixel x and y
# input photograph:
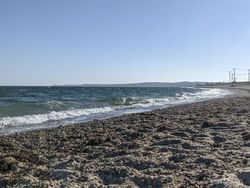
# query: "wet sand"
{"type": "Point", "coordinates": [204, 144]}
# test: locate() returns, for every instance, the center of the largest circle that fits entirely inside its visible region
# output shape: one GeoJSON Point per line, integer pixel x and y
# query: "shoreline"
{"type": "Point", "coordinates": [190, 145]}
{"type": "Point", "coordinates": [8, 130]}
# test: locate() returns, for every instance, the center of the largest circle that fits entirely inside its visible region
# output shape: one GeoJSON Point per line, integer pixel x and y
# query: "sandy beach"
{"type": "Point", "coordinates": [204, 144]}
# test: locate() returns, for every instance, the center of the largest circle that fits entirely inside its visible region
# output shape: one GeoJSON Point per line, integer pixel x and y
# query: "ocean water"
{"type": "Point", "coordinates": [28, 108]}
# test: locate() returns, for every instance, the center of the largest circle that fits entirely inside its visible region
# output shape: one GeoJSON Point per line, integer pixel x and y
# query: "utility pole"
{"type": "Point", "coordinates": [230, 76]}
{"type": "Point", "coordinates": [234, 77]}
{"type": "Point", "coordinates": [249, 75]}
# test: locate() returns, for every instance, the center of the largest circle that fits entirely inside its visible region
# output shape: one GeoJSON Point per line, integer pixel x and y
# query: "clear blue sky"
{"type": "Point", "coordinates": [122, 41]}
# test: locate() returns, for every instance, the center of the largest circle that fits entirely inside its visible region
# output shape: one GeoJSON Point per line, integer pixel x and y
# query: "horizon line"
{"type": "Point", "coordinates": [107, 84]}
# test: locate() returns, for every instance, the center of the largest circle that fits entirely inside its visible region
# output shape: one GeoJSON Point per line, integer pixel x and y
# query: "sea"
{"type": "Point", "coordinates": [29, 108]}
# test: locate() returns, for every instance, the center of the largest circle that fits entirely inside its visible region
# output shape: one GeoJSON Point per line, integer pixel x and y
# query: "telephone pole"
{"type": "Point", "coordinates": [234, 77]}
{"type": "Point", "coordinates": [249, 75]}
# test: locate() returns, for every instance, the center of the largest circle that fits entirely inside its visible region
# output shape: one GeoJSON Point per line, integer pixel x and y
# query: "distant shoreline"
{"type": "Point", "coordinates": [197, 84]}
{"type": "Point", "coordinates": [239, 88]}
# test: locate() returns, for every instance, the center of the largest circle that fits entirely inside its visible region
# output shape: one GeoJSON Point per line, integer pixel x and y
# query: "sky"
{"type": "Point", "coordinates": [51, 42]}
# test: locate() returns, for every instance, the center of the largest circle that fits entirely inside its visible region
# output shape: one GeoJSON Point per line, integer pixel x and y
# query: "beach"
{"type": "Point", "coordinates": [203, 144]}
{"type": "Point", "coordinates": [124, 94]}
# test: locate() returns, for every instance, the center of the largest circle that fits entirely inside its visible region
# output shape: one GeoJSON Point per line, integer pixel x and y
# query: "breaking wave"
{"type": "Point", "coordinates": [52, 116]}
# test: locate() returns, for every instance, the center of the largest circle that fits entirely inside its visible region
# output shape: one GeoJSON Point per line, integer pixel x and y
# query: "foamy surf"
{"type": "Point", "coordinates": [52, 116]}
{"type": "Point", "coordinates": [185, 98]}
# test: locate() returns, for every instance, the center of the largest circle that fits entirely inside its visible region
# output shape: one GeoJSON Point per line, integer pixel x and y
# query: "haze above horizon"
{"type": "Point", "coordinates": [97, 42]}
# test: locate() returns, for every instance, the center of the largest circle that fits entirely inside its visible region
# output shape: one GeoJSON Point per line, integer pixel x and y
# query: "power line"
{"type": "Point", "coordinates": [240, 75]}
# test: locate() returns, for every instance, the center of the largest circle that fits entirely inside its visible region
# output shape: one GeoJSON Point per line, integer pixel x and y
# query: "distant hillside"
{"type": "Point", "coordinates": [145, 84]}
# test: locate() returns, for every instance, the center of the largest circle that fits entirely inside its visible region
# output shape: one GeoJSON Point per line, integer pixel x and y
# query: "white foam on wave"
{"type": "Point", "coordinates": [212, 93]}
{"type": "Point", "coordinates": [184, 97]}
{"type": "Point", "coordinates": [52, 116]}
